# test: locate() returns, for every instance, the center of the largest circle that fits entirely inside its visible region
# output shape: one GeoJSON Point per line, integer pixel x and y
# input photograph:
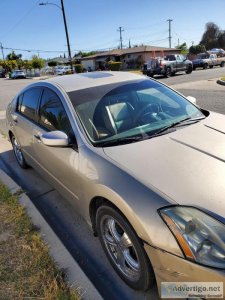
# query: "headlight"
{"type": "Point", "coordinates": [201, 237]}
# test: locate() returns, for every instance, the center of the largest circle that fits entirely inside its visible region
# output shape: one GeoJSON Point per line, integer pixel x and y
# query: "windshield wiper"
{"type": "Point", "coordinates": [170, 126]}
{"type": "Point", "coordinates": [189, 119]}
{"type": "Point", "coordinates": [120, 141]}
{"type": "Point", "coordinates": [133, 139]}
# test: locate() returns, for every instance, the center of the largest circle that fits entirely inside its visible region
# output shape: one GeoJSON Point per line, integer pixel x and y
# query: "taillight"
{"type": "Point", "coordinates": [162, 63]}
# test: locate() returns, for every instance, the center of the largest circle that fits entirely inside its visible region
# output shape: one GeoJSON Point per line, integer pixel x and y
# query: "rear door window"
{"type": "Point", "coordinates": [28, 102]}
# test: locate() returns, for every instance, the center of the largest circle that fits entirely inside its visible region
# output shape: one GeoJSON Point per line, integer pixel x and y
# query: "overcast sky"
{"type": "Point", "coordinates": [93, 24]}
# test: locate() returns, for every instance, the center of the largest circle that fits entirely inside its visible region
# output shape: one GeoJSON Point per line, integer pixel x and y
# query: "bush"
{"type": "Point", "coordinates": [196, 49]}
{"type": "Point", "coordinates": [52, 63]}
{"type": "Point", "coordinates": [114, 65]}
{"type": "Point", "coordinates": [78, 68]}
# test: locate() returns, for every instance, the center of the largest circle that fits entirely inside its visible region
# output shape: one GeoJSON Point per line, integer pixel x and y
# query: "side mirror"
{"type": "Point", "coordinates": [191, 99]}
{"type": "Point", "coordinates": [55, 139]}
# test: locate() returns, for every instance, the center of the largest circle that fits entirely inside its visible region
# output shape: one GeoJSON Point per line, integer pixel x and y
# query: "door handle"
{"type": "Point", "coordinates": [15, 120]}
{"type": "Point", "coordinates": [37, 137]}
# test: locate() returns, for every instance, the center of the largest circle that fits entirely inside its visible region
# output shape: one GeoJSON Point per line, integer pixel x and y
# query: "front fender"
{"type": "Point", "coordinates": [138, 203]}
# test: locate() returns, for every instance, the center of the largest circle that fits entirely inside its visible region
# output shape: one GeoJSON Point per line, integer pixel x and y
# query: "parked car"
{"type": "Point", "coordinates": [140, 162]}
{"type": "Point", "coordinates": [205, 60]}
{"type": "Point", "coordinates": [218, 51]}
{"type": "Point", "coordinates": [167, 66]}
{"type": "Point", "coordinates": [18, 74]}
{"type": "Point", "coordinates": [62, 70]}
{"type": "Point", "coordinates": [2, 73]}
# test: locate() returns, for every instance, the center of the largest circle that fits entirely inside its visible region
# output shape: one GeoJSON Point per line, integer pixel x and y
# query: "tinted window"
{"type": "Point", "coordinates": [52, 115]}
{"type": "Point", "coordinates": [30, 102]}
{"type": "Point", "coordinates": [19, 102]}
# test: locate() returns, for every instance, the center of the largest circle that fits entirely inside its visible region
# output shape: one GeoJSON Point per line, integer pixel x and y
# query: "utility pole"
{"type": "Point", "coordinates": [67, 35]}
{"type": "Point", "coordinates": [170, 37]}
{"type": "Point", "coordinates": [2, 51]}
{"type": "Point", "coordinates": [121, 40]}
{"type": "Point", "coordinates": [129, 44]}
{"type": "Point", "coordinates": [65, 25]}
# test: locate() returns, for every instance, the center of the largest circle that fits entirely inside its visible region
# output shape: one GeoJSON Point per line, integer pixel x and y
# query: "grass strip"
{"type": "Point", "coordinates": [26, 269]}
{"type": "Point", "coordinates": [223, 78]}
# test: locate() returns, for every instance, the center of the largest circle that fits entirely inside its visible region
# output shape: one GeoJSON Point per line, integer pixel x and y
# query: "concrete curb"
{"type": "Point", "coordinates": [57, 250]}
{"type": "Point", "coordinates": [221, 82]}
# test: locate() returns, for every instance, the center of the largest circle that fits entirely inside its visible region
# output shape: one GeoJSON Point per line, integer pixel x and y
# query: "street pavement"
{"type": "Point", "coordinates": [70, 227]}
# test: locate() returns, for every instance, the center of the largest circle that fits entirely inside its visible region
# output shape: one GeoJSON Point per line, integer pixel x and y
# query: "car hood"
{"type": "Point", "coordinates": [187, 165]}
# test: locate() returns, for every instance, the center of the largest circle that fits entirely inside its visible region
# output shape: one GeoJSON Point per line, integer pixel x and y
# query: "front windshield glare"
{"type": "Point", "coordinates": [131, 109]}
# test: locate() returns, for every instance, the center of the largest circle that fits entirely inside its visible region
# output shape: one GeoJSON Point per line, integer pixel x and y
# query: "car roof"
{"type": "Point", "coordinates": [92, 79]}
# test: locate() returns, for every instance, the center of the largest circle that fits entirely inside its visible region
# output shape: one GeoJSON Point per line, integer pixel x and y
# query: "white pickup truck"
{"type": "Point", "coordinates": [205, 60]}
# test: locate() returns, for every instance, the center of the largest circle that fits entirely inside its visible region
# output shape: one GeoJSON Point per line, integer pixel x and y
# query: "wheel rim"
{"type": "Point", "coordinates": [120, 248]}
{"type": "Point", "coordinates": [17, 151]}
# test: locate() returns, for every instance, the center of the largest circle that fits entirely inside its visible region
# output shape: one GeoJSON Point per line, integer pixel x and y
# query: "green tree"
{"type": "Point", "coordinates": [210, 36]}
{"type": "Point", "coordinates": [9, 65]}
{"type": "Point", "coordinates": [14, 56]}
{"type": "Point", "coordinates": [195, 49]}
{"type": "Point", "coordinates": [221, 40]}
{"type": "Point", "coordinates": [37, 62]}
{"type": "Point", "coordinates": [183, 48]}
{"type": "Point", "coordinates": [27, 64]}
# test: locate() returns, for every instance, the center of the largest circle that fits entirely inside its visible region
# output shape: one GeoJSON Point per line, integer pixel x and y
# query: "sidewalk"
{"type": "Point", "coordinates": [60, 254]}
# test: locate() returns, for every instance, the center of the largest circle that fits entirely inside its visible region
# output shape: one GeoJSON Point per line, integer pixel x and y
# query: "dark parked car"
{"type": "Point", "coordinates": [2, 74]}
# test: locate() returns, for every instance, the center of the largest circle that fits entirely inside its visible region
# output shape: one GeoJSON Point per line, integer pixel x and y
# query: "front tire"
{"type": "Point", "coordinates": [205, 66]}
{"type": "Point", "coordinates": [18, 153]}
{"type": "Point", "coordinates": [168, 72]}
{"type": "Point", "coordinates": [189, 70]}
{"type": "Point", "coordinates": [124, 249]}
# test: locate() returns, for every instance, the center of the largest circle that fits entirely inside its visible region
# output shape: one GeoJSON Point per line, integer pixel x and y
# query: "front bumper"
{"type": "Point", "coordinates": [171, 268]}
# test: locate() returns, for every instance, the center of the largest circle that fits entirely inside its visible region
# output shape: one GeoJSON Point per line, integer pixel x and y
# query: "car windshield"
{"type": "Point", "coordinates": [129, 110]}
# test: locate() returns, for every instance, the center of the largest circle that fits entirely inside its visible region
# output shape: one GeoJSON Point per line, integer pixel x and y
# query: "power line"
{"type": "Point", "coordinates": [20, 20]}
{"type": "Point", "coordinates": [34, 50]}
{"type": "Point", "coordinates": [144, 27]}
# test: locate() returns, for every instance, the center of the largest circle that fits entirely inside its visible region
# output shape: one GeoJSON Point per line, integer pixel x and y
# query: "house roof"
{"type": "Point", "coordinates": [119, 52]}
{"type": "Point", "coordinates": [59, 59]}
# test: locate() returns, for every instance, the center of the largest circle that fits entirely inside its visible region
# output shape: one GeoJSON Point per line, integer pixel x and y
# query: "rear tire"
{"type": "Point", "coordinates": [124, 249]}
{"type": "Point", "coordinates": [222, 64]}
{"type": "Point", "coordinates": [18, 153]}
{"type": "Point", "coordinates": [205, 66]}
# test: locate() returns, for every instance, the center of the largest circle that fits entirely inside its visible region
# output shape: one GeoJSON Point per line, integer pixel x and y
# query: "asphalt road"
{"type": "Point", "coordinates": [69, 226]}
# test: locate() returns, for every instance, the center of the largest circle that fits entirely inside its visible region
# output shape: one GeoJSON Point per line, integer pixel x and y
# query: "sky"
{"type": "Point", "coordinates": [93, 24]}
